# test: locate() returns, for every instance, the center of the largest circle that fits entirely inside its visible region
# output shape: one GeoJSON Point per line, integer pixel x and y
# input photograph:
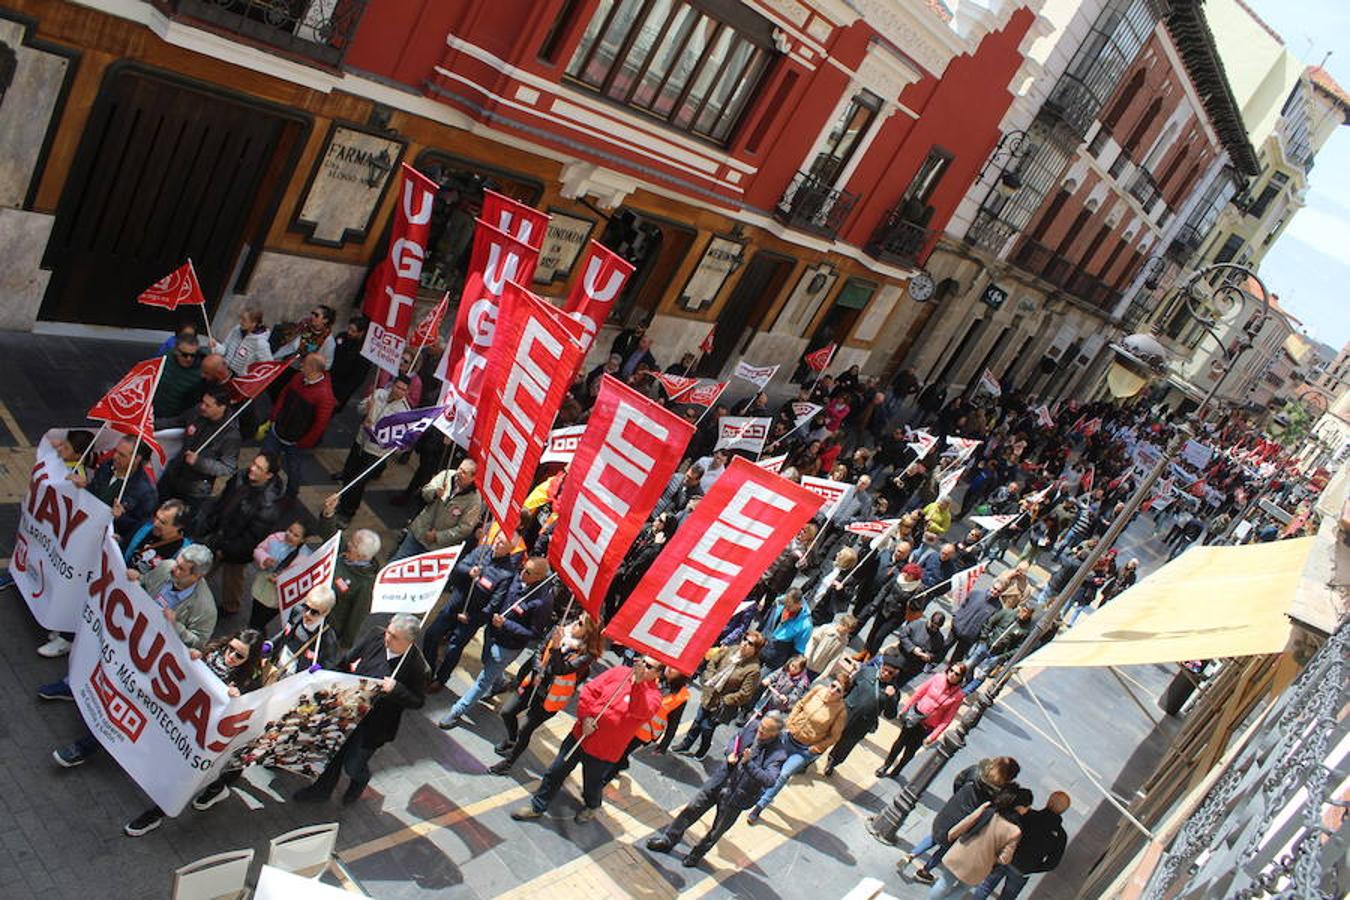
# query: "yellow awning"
{"type": "Point", "coordinates": [1209, 602]}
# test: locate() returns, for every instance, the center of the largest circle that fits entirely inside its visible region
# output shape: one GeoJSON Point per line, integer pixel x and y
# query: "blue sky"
{"type": "Point", "coordinates": [1309, 267]}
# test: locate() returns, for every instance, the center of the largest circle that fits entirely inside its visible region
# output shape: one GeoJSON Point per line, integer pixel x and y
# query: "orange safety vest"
{"type": "Point", "coordinates": [652, 730]}
{"type": "Point", "coordinates": [560, 691]}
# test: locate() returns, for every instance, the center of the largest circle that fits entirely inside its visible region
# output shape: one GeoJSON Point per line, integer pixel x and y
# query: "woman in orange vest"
{"type": "Point", "coordinates": [546, 685]}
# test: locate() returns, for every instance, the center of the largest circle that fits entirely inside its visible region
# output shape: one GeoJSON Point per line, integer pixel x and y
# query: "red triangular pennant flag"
{"type": "Point", "coordinates": [675, 385]}
{"type": "Point", "coordinates": [127, 406]}
{"type": "Point", "coordinates": [707, 344]}
{"type": "Point", "coordinates": [257, 377]}
{"type": "Point", "coordinates": [819, 361]}
{"type": "Point", "coordinates": [430, 327]}
{"type": "Point", "coordinates": [179, 288]}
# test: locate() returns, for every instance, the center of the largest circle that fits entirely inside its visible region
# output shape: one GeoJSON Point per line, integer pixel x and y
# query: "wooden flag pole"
{"type": "Point", "coordinates": [102, 427]}
{"type": "Point", "coordinates": [145, 420]}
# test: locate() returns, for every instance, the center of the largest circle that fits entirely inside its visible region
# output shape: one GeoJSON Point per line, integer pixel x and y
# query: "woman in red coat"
{"type": "Point", "coordinates": [611, 709]}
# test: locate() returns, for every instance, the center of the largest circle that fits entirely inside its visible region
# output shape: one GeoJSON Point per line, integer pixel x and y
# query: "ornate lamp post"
{"type": "Point", "coordinates": [1139, 358]}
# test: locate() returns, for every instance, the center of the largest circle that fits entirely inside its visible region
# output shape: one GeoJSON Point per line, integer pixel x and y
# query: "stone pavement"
{"type": "Point", "coordinates": [435, 821]}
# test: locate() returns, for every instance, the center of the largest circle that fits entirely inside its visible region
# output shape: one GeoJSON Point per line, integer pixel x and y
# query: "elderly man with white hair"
{"type": "Point", "coordinates": [353, 576]}
{"type": "Point", "coordinates": [391, 656]}
{"type": "Point", "coordinates": [306, 639]}
{"type": "Point", "coordinates": [179, 586]}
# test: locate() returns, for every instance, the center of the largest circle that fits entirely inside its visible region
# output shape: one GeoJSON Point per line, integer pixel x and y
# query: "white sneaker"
{"type": "Point", "coordinates": [57, 646]}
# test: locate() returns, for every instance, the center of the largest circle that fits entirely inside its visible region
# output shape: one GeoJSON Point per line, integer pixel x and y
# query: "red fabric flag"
{"type": "Point", "coordinates": [533, 360]}
{"type": "Point", "coordinates": [737, 530]}
{"type": "Point", "coordinates": [430, 327]}
{"type": "Point", "coordinates": [524, 223]}
{"type": "Point", "coordinates": [631, 448]}
{"type": "Point", "coordinates": [675, 385]}
{"type": "Point", "coordinates": [603, 275]}
{"type": "Point", "coordinates": [706, 345]}
{"type": "Point", "coordinates": [179, 288]}
{"type": "Point", "coordinates": [128, 407]}
{"type": "Point", "coordinates": [392, 287]}
{"type": "Point", "coordinates": [257, 377]}
{"type": "Point", "coordinates": [497, 258]}
{"type": "Point", "coordinates": [705, 394]}
{"type": "Point", "coordinates": [819, 361]}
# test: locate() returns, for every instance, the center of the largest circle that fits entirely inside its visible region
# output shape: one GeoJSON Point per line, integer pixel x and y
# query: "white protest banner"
{"type": "Point", "coordinates": [834, 492]}
{"type": "Point", "coordinates": [61, 529]}
{"type": "Point", "coordinates": [412, 584]}
{"type": "Point", "coordinates": [163, 716]}
{"type": "Point", "coordinates": [921, 442]}
{"type": "Point", "coordinates": [303, 575]}
{"type": "Point", "coordinates": [963, 447]}
{"type": "Point", "coordinates": [773, 463]}
{"type": "Point", "coordinates": [562, 444]}
{"type": "Point", "coordinates": [1197, 454]}
{"type": "Point", "coordinates": [963, 583]}
{"type": "Point", "coordinates": [989, 384]}
{"type": "Point", "coordinates": [299, 722]}
{"type": "Point", "coordinates": [948, 480]}
{"type": "Point", "coordinates": [742, 433]}
{"type": "Point", "coordinates": [759, 376]}
{"type": "Point", "coordinates": [871, 529]}
{"type": "Point", "coordinates": [1043, 417]}
{"type": "Point", "coordinates": [990, 524]}
{"type": "Point", "coordinates": [803, 412]}
{"type": "Point", "coordinates": [383, 347]}
{"type": "Point", "coordinates": [1213, 496]}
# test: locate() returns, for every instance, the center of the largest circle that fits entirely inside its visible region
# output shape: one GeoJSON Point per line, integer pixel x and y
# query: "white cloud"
{"type": "Point", "coordinates": [1325, 232]}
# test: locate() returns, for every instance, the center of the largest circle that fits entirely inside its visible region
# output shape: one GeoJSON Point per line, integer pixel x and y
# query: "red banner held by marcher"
{"type": "Point", "coordinates": [820, 360]}
{"type": "Point", "coordinates": [392, 287]}
{"type": "Point", "coordinates": [704, 394]}
{"type": "Point", "coordinates": [687, 596]}
{"type": "Point", "coordinates": [523, 223]}
{"type": "Point", "coordinates": [675, 385]}
{"type": "Point", "coordinates": [257, 377]}
{"type": "Point", "coordinates": [603, 275]}
{"type": "Point", "coordinates": [497, 258]}
{"type": "Point", "coordinates": [631, 448]}
{"type": "Point", "coordinates": [531, 365]}
{"type": "Point", "coordinates": [179, 288]}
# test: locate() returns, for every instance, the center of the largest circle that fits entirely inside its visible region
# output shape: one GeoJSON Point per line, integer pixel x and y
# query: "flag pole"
{"type": "Point", "coordinates": [145, 420]}
{"type": "Point", "coordinates": [372, 467]}
{"type": "Point", "coordinates": [598, 716]}
{"type": "Point", "coordinates": [226, 424]}
{"type": "Point", "coordinates": [206, 319]}
{"type": "Point", "coordinates": [473, 583]}
{"type": "Point", "coordinates": [102, 427]}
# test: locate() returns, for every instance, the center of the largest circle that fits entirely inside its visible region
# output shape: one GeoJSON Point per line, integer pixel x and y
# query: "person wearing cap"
{"type": "Point", "coordinates": [875, 693]}
{"type": "Point", "coordinates": [892, 607]}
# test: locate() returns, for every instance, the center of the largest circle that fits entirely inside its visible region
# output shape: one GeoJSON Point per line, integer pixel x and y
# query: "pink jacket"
{"type": "Point", "coordinates": [938, 700]}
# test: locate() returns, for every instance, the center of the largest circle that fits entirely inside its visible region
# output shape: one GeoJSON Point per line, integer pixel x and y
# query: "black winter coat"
{"type": "Point", "coordinates": [241, 517]}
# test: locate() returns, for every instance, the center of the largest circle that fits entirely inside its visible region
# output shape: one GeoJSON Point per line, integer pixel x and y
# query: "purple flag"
{"type": "Point", "coordinates": [400, 430]}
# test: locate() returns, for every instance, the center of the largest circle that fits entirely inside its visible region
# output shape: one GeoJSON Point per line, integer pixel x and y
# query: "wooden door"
{"type": "Point", "coordinates": [164, 172]}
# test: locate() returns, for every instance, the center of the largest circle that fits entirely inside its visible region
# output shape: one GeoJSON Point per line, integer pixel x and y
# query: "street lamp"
{"type": "Point", "coordinates": [1138, 360]}
{"type": "Point", "coordinates": [1137, 356]}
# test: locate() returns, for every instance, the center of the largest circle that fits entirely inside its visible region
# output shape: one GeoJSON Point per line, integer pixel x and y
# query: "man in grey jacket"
{"type": "Point", "coordinates": [180, 587]}
{"type": "Point", "coordinates": [450, 516]}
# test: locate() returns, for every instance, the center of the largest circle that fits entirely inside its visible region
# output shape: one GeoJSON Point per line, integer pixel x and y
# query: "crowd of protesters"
{"type": "Point", "coordinates": [844, 630]}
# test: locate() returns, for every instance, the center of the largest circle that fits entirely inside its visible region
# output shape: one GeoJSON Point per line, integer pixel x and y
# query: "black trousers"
{"type": "Point", "coordinates": [852, 736]}
{"type": "Point", "coordinates": [704, 800]}
{"type": "Point", "coordinates": [595, 773]}
{"type": "Point", "coordinates": [882, 628]}
{"type": "Point", "coordinates": [702, 728]}
{"type": "Point", "coordinates": [353, 757]}
{"type": "Point", "coordinates": [357, 462]}
{"type": "Point", "coordinates": [905, 746]}
{"type": "Point", "coordinates": [518, 733]}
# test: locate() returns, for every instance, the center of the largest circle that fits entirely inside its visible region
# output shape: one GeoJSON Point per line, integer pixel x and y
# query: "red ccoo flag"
{"type": "Point", "coordinates": [179, 288]}
{"type": "Point", "coordinates": [430, 327]}
{"type": "Point", "coordinates": [257, 377]}
{"type": "Point", "coordinates": [819, 361]}
{"type": "Point", "coordinates": [706, 346]}
{"type": "Point", "coordinates": [127, 408]}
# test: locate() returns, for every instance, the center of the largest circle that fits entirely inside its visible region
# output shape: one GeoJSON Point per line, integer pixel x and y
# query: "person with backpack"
{"type": "Point", "coordinates": [982, 840]}
{"type": "Point", "coordinates": [1040, 850]}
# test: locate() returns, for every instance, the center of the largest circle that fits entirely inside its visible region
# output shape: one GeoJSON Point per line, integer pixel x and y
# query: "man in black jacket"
{"type": "Point", "coordinates": [754, 758]}
{"type": "Point", "coordinates": [1039, 850]}
{"type": "Point", "coordinates": [392, 657]}
{"type": "Point", "coordinates": [875, 693]}
{"type": "Point", "coordinates": [236, 521]}
{"type": "Point", "coordinates": [516, 618]}
{"type": "Point", "coordinates": [191, 475]}
{"type": "Point", "coordinates": [922, 643]}
{"type": "Point", "coordinates": [479, 579]}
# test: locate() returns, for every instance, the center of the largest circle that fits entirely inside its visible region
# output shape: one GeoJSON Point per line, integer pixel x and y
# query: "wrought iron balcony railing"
{"type": "Point", "coordinates": [1145, 190]}
{"type": "Point", "coordinates": [812, 205]}
{"type": "Point", "coordinates": [1050, 267]}
{"type": "Point", "coordinates": [900, 242]}
{"type": "Point", "coordinates": [319, 30]}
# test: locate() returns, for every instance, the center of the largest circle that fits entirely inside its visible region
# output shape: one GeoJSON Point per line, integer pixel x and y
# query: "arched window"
{"type": "Point", "coordinates": [1145, 121]}
{"type": "Point", "coordinates": [1124, 100]}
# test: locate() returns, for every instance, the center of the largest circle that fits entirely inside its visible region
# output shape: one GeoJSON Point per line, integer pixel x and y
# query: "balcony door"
{"type": "Point", "coordinates": [844, 139]}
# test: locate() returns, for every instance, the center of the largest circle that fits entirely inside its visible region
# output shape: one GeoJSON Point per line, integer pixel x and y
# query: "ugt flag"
{"type": "Point", "coordinates": [128, 406]}
{"type": "Point", "coordinates": [631, 448]}
{"type": "Point", "coordinates": [687, 596]}
{"type": "Point", "coordinates": [603, 275]}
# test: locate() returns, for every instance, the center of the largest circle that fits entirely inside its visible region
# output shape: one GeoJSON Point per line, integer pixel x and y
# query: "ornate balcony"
{"type": "Point", "coordinates": [318, 30]}
{"type": "Point", "coordinates": [1050, 267]}
{"type": "Point", "coordinates": [812, 205]}
{"type": "Point", "coordinates": [900, 242]}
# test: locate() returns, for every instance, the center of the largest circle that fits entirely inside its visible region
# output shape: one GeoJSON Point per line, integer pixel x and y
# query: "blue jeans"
{"type": "Point", "coordinates": [292, 461]}
{"type": "Point", "coordinates": [926, 844]}
{"type": "Point", "coordinates": [799, 757]}
{"type": "Point", "coordinates": [495, 660]}
{"type": "Point", "coordinates": [947, 885]}
{"type": "Point", "coordinates": [1013, 882]}
{"type": "Point", "coordinates": [409, 546]}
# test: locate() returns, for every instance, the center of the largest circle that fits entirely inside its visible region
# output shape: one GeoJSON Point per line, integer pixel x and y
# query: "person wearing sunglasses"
{"type": "Point", "coordinates": [237, 661]}
{"type": "Point", "coordinates": [180, 381]}
{"type": "Point", "coordinates": [611, 709]}
{"type": "Point", "coordinates": [815, 724]}
{"type": "Point", "coordinates": [305, 640]}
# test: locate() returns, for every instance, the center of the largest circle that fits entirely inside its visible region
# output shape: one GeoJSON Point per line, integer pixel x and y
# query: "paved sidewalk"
{"type": "Point", "coordinates": [434, 821]}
